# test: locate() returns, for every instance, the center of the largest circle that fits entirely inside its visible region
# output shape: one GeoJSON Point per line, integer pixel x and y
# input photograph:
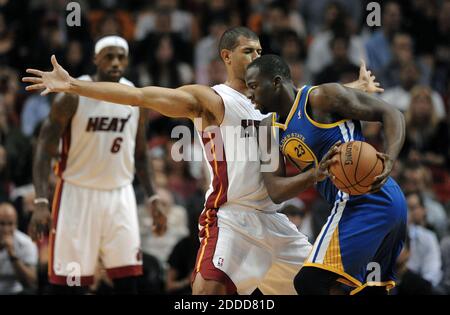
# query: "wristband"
{"type": "Point", "coordinates": [40, 200]}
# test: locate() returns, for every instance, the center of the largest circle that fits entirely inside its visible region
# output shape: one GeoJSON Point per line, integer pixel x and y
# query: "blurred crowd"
{"type": "Point", "coordinates": [173, 43]}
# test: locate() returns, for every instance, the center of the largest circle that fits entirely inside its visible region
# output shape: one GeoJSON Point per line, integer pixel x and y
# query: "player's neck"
{"type": "Point", "coordinates": [287, 100]}
{"type": "Point", "coordinates": [237, 85]}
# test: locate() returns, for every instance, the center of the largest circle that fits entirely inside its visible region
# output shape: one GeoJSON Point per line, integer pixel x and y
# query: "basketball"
{"type": "Point", "coordinates": [357, 166]}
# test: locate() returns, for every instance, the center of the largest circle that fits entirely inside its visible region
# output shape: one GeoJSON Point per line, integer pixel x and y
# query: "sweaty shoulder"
{"type": "Point", "coordinates": [210, 104]}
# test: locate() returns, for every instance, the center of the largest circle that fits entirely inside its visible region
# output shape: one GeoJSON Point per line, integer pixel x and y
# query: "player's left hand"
{"type": "Point", "coordinates": [381, 179]}
{"type": "Point", "coordinates": [57, 80]}
{"type": "Point", "coordinates": [158, 211]}
{"type": "Point", "coordinates": [367, 80]}
{"type": "Point", "coordinates": [321, 172]}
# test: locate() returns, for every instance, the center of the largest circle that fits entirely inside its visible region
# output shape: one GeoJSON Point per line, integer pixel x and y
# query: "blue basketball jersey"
{"type": "Point", "coordinates": [361, 230]}
{"type": "Point", "coordinates": [304, 141]}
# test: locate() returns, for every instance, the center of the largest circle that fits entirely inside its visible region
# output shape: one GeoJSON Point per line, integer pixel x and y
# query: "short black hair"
{"type": "Point", "coordinates": [229, 39]}
{"type": "Point", "coordinates": [271, 66]}
{"type": "Point", "coordinates": [419, 196]}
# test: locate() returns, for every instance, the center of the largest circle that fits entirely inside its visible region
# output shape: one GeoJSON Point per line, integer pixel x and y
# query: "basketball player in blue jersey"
{"type": "Point", "coordinates": [245, 243]}
{"type": "Point", "coordinates": [357, 248]}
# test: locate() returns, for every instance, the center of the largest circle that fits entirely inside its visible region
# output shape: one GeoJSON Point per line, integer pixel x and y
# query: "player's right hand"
{"type": "Point", "coordinates": [41, 222]}
{"type": "Point", "coordinates": [57, 80]}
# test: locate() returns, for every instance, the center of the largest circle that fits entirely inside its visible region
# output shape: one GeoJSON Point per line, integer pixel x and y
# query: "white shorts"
{"type": "Point", "coordinates": [250, 249]}
{"type": "Point", "coordinates": [88, 225]}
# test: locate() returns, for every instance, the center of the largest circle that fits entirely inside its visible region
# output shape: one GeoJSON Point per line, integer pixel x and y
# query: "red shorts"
{"type": "Point", "coordinates": [208, 234]}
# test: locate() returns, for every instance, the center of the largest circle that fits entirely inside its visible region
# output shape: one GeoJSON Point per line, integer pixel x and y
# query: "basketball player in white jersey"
{"type": "Point", "coordinates": [94, 212]}
{"type": "Point", "coordinates": [245, 243]}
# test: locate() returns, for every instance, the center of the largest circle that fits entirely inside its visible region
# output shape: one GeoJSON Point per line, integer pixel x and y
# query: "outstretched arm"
{"type": "Point", "coordinates": [279, 187]}
{"type": "Point", "coordinates": [188, 101]}
{"type": "Point", "coordinates": [353, 104]}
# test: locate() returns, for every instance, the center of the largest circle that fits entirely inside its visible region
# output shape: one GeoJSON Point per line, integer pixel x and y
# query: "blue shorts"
{"type": "Point", "coordinates": [363, 237]}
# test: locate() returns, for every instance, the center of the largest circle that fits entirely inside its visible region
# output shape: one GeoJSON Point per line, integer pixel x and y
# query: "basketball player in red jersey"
{"type": "Point", "coordinates": [94, 213]}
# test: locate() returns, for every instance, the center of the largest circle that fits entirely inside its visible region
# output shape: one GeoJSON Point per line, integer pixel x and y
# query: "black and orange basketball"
{"type": "Point", "coordinates": [357, 166]}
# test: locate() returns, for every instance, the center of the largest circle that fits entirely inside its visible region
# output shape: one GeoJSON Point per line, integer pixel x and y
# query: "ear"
{"type": "Point", "coordinates": [277, 81]}
{"type": "Point", "coordinates": [225, 54]}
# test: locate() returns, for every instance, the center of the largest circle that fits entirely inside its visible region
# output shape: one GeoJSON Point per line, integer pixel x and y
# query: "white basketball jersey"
{"type": "Point", "coordinates": [98, 146]}
{"type": "Point", "coordinates": [232, 156]}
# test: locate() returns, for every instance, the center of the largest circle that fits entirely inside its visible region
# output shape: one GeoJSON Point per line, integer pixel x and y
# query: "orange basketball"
{"type": "Point", "coordinates": [357, 166]}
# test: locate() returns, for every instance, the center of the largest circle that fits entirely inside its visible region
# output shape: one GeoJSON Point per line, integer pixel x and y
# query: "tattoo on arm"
{"type": "Point", "coordinates": [143, 171]}
{"type": "Point", "coordinates": [63, 108]}
{"type": "Point", "coordinates": [354, 104]}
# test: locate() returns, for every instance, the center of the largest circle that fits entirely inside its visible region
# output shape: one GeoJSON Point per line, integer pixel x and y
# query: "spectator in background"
{"type": "Point", "coordinates": [341, 69]}
{"type": "Point", "coordinates": [293, 51]}
{"type": "Point", "coordinates": [162, 28]}
{"type": "Point", "coordinates": [109, 24]}
{"type": "Point", "coordinates": [421, 16]}
{"type": "Point", "coordinates": [426, 140]}
{"type": "Point", "coordinates": [177, 228]}
{"type": "Point", "coordinates": [445, 250]}
{"type": "Point", "coordinates": [276, 22]}
{"type": "Point", "coordinates": [417, 178]}
{"type": "Point", "coordinates": [217, 73]}
{"type": "Point", "coordinates": [295, 210]}
{"type": "Point", "coordinates": [18, 150]}
{"type": "Point", "coordinates": [75, 58]}
{"type": "Point", "coordinates": [180, 21]}
{"type": "Point", "coordinates": [50, 40]}
{"type": "Point", "coordinates": [299, 73]}
{"type": "Point", "coordinates": [402, 54]}
{"type": "Point", "coordinates": [425, 256]}
{"type": "Point", "coordinates": [166, 70]}
{"type": "Point", "coordinates": [296, 20]}
{"type": "Point", "coordinates": [224, 10]}
{"type": "Point", "coordinates": [7, 43]}
{"type": "Point", "coordinates": [337, 25]}
{"type": "Point", "coordinates": [408, 281]}
{"type": "Point", "coordinates": [181, 261]}
{"type": "Point", "coordinates": [18, 255]}
{"type": "Point", "coordinates": [293, 47]}
{"type": "Point", "coordinates": [378, 47]}
{"type": "Point", "coordinates": [9, 89]}
{"type": "Point", "coordinates": [317, 21]}
{"type": "Point", "coordinates": [441, 79]}
{"type": "Point", "coordinates": [4, 177]}
{"type": "Point", "coordinates": [35, 110]}
{"type": "Point", "coordinates": [205, 51]}
{"type": "Point", "coordinates": [400, 96]}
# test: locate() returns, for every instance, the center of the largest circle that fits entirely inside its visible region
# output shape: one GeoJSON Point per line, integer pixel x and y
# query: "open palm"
{"type": "Point", "coordinates": [57, 80]}
{"type": "Point", "coordinates": [366, 77]}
